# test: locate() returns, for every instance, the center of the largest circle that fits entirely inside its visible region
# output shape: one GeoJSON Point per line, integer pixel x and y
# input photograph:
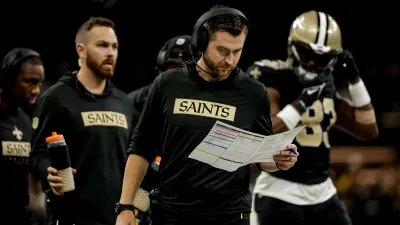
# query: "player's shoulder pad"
{"type": "Point", "coordinates": [267, 67]}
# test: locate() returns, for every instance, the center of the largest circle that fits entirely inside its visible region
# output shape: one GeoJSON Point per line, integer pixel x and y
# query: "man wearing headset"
{"type": "Point", "coordinates": [192, 192]}
{"type": "Point", "coordinates": [22, 73]}
{"type": "Point", "coordinates": [172, 55]}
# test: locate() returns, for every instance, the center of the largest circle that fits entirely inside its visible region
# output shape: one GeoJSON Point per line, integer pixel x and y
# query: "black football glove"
{"type": "Point", "coordinates": [346, 68]}
{"type": "Point", "coordinates": [308, 96]}
{"type": "Point", "coordinates": [311, 94]}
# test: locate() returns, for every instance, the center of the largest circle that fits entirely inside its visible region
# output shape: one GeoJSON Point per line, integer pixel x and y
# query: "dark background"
{"type": "Point", "coordinates": [369, 31]}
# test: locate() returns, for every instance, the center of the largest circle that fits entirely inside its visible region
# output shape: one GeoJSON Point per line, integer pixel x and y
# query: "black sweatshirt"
{"type": "Point", "coordinates": [15, 137]}
{"type": "Point", "coordinates": [96, 129]}
{"type": "Point", "coordinates": [179, 111]}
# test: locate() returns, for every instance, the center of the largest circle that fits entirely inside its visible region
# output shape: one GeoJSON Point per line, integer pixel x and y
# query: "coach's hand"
{"type": "Point", "coordinates": [55, 181]}
{"type": "Point", "coordinates": [286, 159]}
{"type": "Point", "coordinates": [126, 217]}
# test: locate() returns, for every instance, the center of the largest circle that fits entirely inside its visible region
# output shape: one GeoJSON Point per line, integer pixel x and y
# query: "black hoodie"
{"type": "Point", "coordinates": [180, 109]}
{"type": "Point", "coordinates": [96, 129]}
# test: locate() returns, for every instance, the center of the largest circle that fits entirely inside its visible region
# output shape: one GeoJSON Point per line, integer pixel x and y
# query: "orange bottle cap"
{"type": "Point", "coordinates": [158, 159]}
{"type": "Point", "coordinates": [54, 137]}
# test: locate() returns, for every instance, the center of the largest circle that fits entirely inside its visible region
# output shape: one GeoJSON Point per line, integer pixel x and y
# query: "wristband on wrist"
{"type": "Point", "coordinates": [289, 116]}
{"type": "Point", "coordinates": [359, 94]}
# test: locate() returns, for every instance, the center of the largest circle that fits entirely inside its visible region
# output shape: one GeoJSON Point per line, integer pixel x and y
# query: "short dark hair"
{"type": "Point", "coordinates": [233, 24]}
{"type": "Point", "coordinates": [90, 24]}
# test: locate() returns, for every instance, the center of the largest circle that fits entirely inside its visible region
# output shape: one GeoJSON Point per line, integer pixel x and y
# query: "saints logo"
{"type": "Point", "coordinates": [35, 122]}
{"type": "Point", "coordinates": [255, 73]}
{"type": "Point", "coordinates": [17, 133]}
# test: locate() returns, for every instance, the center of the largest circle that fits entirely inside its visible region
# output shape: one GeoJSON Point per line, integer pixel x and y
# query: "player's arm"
{"type": "Point", "coordinates": [46, 119]}
{"type": "Point", "coordinates": [358, 120]}
{"type": "Point", "coordinates": [288, 117]}
{"type": "Point", "coordinates": [278, 125]}
{"type": "Point", "coordinates": [143, 142]}
{"type": "Point", "coordinates": [355, 113]}
{"type": "Point", "coordinates": [263, 125]}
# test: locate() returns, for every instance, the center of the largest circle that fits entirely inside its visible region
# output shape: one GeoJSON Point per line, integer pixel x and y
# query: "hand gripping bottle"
{"type": "Point", "coordinates": [60, 160]}
{"type": "Point", "coordinates": [141, 200]}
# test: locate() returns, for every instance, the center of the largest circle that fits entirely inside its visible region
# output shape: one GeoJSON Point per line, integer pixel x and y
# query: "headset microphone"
{"type": "Point", "coordinates": [213, 74]}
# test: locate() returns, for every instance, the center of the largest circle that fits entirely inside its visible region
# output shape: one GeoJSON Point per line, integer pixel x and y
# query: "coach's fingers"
{"type": "Point", "coordinates": [292, 146]}
{"type": "Point", "coordinates": [53, 178]}
{"type": "Point", "coordinates": [284, 164]}
{"type": "Point", "coordinates": [288, 153]}
{"type": "Point", "coordinates": [56, 187]}
{"type": "Point", "coordinates": [51, 170]}
{"type": "Point", "coordinates": [284, 159]}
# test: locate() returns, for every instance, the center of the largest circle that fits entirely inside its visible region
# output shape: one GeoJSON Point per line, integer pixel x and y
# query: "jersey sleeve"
{"type": "Point", "coordinates": [270, 73]}
{"type": "Point", "coordinates": [146, 135]}
{"type": "Point", "coordinates": [263, 123]}
{"type": "Point", "coordinates": [46, 119]}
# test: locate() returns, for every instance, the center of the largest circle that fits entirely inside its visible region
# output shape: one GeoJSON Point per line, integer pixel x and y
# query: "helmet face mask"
{"type": "Point", "coordinates": [314, 44]}
{"type": "Point", "coordinates": [309, 64]}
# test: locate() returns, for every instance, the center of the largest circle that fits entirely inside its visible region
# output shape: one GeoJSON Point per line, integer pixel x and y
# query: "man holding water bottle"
{"type": "Point", "coordinates": [95, 121]}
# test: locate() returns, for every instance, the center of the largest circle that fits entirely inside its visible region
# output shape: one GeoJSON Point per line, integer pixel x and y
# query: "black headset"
{"type": "Point", "coordinates": [162, 55]}
{"type": "Point", "coordinates": [11, 60]}
{"type": "Point", "coordinates": [200, 34]}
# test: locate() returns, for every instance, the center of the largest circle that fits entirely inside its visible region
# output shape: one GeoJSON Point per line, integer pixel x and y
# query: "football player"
{"type": "Point", "coordinates": [317, 86]}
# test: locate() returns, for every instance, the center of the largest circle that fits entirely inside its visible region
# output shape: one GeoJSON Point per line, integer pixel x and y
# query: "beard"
{"type": "Point", "coordinates": [214, 66]}
{"type": "Point", "coordinates": [98, 68]}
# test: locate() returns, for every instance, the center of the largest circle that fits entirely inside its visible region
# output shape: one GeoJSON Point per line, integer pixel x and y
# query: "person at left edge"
{"type": "Point", "coordinates": [95, 118]}
{"type": "Point", "coordinates": [22, 73]}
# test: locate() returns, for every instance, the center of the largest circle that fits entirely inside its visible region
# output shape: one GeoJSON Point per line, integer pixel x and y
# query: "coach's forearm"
{"type": "Point", "coordinates": [135, 170]}
{"type": "Point", "coordinates": [269, 166]}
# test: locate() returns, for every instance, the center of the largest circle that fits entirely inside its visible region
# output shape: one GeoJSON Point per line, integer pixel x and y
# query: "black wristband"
{"type": "Point", "coordinates": [122, 207]}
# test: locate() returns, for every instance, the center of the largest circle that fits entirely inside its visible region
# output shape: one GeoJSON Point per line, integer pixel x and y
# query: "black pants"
{"type": "Point", "coordinates": [271, 211]}
{"type": "Point", "coordinates": [229, 219]}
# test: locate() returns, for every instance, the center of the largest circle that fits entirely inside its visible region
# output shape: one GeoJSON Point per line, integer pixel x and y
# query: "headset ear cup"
{"type": "Point", "coordinates": [161, 60]}
{"type": "Point", "coordinates": [202, 40]}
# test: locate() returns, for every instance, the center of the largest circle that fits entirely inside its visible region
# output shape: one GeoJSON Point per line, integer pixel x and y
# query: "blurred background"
{"type": "Point", "coordinates": [367, 175]}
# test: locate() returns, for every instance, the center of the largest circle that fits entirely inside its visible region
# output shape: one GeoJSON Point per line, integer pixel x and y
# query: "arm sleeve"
{"type": "Point", "coordinates": [146, 136]}
{"type": "Point", "coordinates": [48, 114]}
{"type": "Point", "coordinates": [262, 124]}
